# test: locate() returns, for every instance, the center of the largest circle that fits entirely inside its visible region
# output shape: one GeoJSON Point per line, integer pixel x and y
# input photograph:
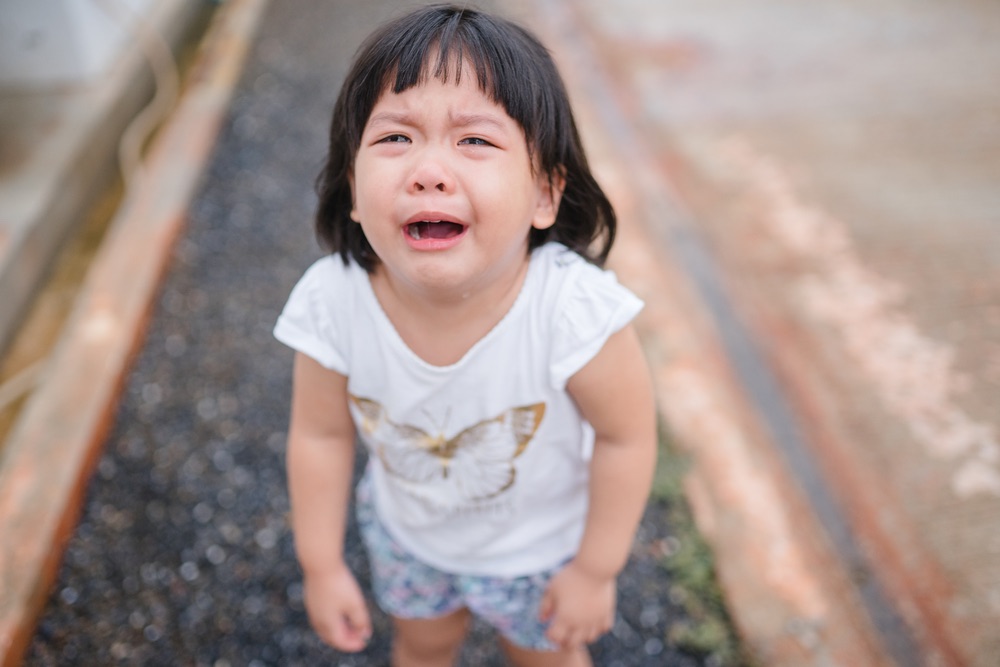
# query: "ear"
{"type": "Point", "coordinates": [550, 191]}
{"type": "Point", "coordinates": [354, 207]}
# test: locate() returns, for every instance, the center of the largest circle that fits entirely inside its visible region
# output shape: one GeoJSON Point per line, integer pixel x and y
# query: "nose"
{"type": "Point", "coordinates": [431, 172]}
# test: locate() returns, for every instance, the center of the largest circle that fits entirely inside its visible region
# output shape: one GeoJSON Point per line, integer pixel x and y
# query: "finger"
{"type": "Point", "coordinates": [596, 630]}
{"type": "Point", "coordinates": [345, 638]}
{"type": "Point", "coordinates": [351, 630]}
{"type": "Point", "coordinates": [326, 631]}
{"type": "Point", "coordinates": [573, 639]}
{"type": "Point", "coordinates": [556, 633]}
{"type": "Point", "coordinates": [341, 637]}
{"type": "Point", "coordinates": [360, 621]}
{"type": "Point", "coordinates": [546, 607]}
{"type": "Point", "coordinates": [566, 636]}
{"type": "Point", "coordinates": [336, 636]}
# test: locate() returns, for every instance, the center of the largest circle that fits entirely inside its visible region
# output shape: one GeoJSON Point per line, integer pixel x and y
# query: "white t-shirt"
{"type": "Point", "coordinates": [480, 467]}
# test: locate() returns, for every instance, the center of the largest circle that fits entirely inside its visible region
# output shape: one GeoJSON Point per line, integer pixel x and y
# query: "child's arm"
{"type": "Point", "coordinates": [614, 393]}
{"type": "Point", "coordinates": [320, 465]}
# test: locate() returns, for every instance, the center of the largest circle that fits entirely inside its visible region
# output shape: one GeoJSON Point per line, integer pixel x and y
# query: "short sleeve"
{"type": "Point", "coordinates": [306, 323]}
{"type": "Point", "coordinates": [592, 307]}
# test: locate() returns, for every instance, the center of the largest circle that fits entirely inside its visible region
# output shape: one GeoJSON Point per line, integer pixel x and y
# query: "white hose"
{"type": "Point", "coordinates": [166, 81]}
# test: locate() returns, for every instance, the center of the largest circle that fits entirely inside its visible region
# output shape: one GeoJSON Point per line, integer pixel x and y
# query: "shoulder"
{"type": "Point", "coordinates": [327, 280]}
{"type": "Point", "coordinates": [330, 267]}
{"type": "Point", "coordinates": [557, 268]}
{"type": "Point", "coordinates": [569, 282]}
{"type": "Point", "coordinates": [316, 318]}
{"type": "Point", "coordinates": [584, 305]}
{"type": "Point", "coordinates": [556, 257]}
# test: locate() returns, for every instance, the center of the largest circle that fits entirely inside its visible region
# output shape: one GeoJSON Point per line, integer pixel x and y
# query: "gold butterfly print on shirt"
{"type": "Point", "coordinates": [476, 464]}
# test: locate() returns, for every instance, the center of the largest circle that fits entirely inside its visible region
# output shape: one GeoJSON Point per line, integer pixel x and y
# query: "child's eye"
{"type": "Point", "coordinates": [475, 141]}
{"type": "Point", "coordinates": [393, 139]}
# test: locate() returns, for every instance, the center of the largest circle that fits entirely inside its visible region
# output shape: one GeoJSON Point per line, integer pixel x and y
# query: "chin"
{"type": "Point", "coordinates": [441, 281]}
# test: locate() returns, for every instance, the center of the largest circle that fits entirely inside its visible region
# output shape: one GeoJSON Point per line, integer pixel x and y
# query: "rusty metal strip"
{"type": "Point", "coordinates": [51, 451]}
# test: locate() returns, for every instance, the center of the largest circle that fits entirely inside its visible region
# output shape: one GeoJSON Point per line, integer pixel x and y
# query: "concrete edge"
{"type": "Point", "coordinates": [915, 582]}
{"type": "Point", "coordinates": [892, 559]}
{"type": "Point", "coordinates": [792, 600]}
{"type": "Point", "coordinates": [70, 166]}
{"type": "Point", "coordinates": [50, 454]}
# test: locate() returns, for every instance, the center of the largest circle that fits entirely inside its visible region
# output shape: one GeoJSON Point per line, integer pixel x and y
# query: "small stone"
{"type": "Point", "coordinates": [215, 554]}
{"type": "Point", "coordinates": [189, 571]}
{"type": "Point", "coordinates": [175, 345]}
{"type": "Point", "coordinates": [265, 538]}
{"type": "Point", "coordinates": [152, 393]}
{"type": "Point", "coordinates": [107, 469]}
{"type": "Point", "coordinates": [222, 460]}
{"type": "Point", "coordinates": [69, 595]}
{"type": "Point", "coordinates": [226, 498]}
{"type": "Point", "coordinates": [152, 633]}
{"type": "Point", "coordinates": [206, 408]}
{"type": "Point", "coordinates": [202, 512]}
{"type": "Point", "coordinates": [649, 616]}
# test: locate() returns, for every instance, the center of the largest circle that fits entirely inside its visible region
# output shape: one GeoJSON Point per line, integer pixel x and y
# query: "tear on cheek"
{"type": "Point", "coordinates": [426, 229]}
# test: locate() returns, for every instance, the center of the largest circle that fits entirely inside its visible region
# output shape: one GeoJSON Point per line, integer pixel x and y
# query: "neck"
{"type": "Point", "coordinates": [488, 293]}
{"type": "Point", "coordinates": [440, 326]}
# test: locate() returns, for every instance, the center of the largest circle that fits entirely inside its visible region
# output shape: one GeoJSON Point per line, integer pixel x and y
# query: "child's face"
{"type": "Point", "coordinates": [444, 188]}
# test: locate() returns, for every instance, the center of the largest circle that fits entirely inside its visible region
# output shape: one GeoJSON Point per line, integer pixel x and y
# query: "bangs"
{"type": "Point", "coordinates": [443, 54]}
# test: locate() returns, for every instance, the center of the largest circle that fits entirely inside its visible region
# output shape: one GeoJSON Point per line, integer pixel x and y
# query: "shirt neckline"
{"type": "Point", "coordinates": [397, 339]}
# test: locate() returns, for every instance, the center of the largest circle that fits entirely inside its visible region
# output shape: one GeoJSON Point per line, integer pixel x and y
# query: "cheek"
{"type": "Point", "coordinates": [367, 191]}
{"type": "Point", "coordinates": [502, 186]}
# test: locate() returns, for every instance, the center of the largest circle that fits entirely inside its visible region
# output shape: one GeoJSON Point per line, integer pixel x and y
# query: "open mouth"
{"type": "Point", "coordinates": [433, 229]}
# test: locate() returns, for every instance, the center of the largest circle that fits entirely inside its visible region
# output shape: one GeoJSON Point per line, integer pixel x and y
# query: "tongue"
{"type": "Point", "coordinates": [439, 230]}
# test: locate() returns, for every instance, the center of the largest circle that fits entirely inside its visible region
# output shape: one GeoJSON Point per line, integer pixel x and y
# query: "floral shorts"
{"type": "Point", "coordinates": [408, 588]}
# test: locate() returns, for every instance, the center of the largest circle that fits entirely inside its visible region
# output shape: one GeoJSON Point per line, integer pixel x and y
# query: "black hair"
{"type": "Point", "coordinates": [514, 70]}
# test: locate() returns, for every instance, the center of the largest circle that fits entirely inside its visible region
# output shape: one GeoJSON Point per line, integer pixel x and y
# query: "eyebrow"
{"type": "Point", "coordinates": [392, 117]}
{"type": "Point", "coordinates": [467, 119]}
{"type": "Point", "coordinates": [457, 119]}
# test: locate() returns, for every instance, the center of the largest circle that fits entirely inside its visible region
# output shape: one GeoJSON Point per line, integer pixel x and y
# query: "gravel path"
{"type": "Point", "coordinates": [183, 555]}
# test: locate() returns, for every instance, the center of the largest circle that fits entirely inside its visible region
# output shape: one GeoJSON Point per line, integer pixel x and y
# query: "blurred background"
{"type": "Point", "coordinates": [810, 206]}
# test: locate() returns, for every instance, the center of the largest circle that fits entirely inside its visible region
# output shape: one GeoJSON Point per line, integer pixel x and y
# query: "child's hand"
{"type": "Point", "coordinates": [580, 606]}
{"type": "Point", "coordinates": [337, 609]}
